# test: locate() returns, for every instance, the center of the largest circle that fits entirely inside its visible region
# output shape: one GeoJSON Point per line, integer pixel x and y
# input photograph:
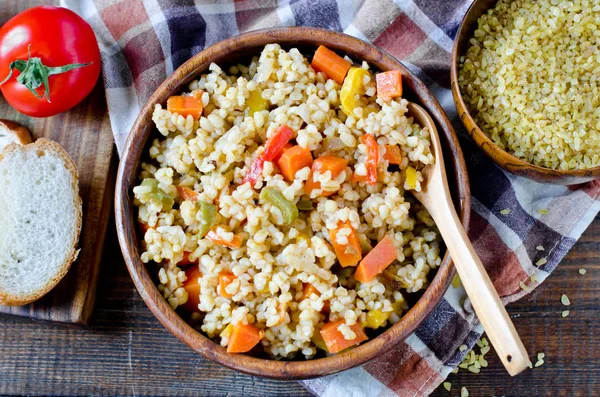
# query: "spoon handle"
{"type": "Point", "coordinates": [484, 298]}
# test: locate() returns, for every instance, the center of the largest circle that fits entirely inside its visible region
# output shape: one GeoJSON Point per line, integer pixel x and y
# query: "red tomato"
{"type": "Point", "coordinates": [56, 37]}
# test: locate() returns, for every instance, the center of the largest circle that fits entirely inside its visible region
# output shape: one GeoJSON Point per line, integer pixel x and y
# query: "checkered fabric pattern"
{"type": "Point", "coordinates": [143, 41]}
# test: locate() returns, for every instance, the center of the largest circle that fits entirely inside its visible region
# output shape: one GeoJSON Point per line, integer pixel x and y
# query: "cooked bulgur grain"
{"type": "Point", "coordinates": [264, 246]}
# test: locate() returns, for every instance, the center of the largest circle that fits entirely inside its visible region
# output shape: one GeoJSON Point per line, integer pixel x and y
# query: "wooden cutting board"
{"type": "Point", "coordinates": [85, 133]}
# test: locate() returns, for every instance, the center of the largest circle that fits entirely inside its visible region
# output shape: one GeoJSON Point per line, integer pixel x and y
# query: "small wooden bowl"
{"type": "Point", "coordinates": [499, 156]}
{"type": "Point", "coordinates": [239, 49]}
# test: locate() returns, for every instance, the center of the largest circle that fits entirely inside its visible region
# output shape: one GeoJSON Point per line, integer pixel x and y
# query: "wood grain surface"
{"type": "Point", "coordinates": [85, 133]}
{"type": "Point", "coordinates": [125, 351]}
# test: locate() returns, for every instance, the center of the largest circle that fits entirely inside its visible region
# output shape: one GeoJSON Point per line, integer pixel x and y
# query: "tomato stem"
{"type": "Point", "coordinates": [35, 74]}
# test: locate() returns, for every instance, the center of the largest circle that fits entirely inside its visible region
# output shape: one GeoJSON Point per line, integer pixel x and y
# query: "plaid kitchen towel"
{"type": "Point", "coordinates": [142, 41]}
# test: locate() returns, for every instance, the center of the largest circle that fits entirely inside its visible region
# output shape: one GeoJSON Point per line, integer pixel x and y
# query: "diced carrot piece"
{"type": "Point", "coordinates": [285, 147]}
{"type": "Point", "coordinates": [330, 63]}
{"type": "Point", "coordinates": [308, 289]}
{"type": "Point", "coordinates": [355, 178]}
{"type": "Point", "coordinates": [389, 84]}
{"type": "Point", "coordinates": [186, 259]}
{"type": "Point", "coordinates": [293, 160]}
{"type": "Point", "coordinates": [192, 286]}
{"type": "Point", "coordinates": [322, 164]}
{"type": "Point", "coordinates": [187, 194]}
{"type": "Point", "coordinates": [185, 105]}
{"type": "Point", "coordinates": [393, 155]}
{"type": "Point", "coordinates": [215, 238]}
{"type": "Point", "coordinates": [334, 339]}
{"type": "Point", "coordinates": [243, 338]}
{"type": "Point", "coordinates": [376, 260]}
{"type": "Point", "coordinates": [372, 158]}
{"type": "Point", "coordinates": [225, 278]}
{"type": "Point", "coordinates": [311, 185]}
{"type": "Point", "coordinates": [348, 254]}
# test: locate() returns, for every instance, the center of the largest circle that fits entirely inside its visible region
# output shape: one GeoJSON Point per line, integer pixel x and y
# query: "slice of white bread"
{"type": "Point", "coordinates": [40, 219]}
{"type": "Point", "coordinates": [11, 132]}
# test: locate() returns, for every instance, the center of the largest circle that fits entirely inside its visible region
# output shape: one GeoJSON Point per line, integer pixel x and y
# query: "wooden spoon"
{"type": "Point", "coordinates": [435, 196]}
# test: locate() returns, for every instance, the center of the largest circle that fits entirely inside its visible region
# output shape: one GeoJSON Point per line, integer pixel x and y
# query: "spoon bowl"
{"type": "Point", "coordinates": [435, 196]}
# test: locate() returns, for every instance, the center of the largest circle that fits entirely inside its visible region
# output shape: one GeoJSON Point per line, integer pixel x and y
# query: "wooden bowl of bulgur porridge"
{"type": "Point", "coordinates": [263, 203]}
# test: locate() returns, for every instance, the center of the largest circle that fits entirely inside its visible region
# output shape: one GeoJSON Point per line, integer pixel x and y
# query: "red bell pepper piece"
{"type": "Point", "coordinates": [372, 158]}
{"type": "Point", "coordinates": [273, 147]}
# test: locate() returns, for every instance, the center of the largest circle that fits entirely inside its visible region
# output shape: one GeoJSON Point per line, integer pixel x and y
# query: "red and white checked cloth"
{"type": "Point", "coordinates": [142, 41]}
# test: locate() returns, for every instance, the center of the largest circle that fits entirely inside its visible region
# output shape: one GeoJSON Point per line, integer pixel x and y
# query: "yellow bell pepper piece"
{"type": "Point", "coordinates": [376, 318]}
{"type": "Point", "coordinates": [411, 177]}
{"type": "Point", "coordinates": [256, 102]}
{"type": "Point", "coordinates": [226, 333]}
{"type": "Point", "coordinates": [353, 84]}
{"type": "Point", "coordinates": [399, 306]}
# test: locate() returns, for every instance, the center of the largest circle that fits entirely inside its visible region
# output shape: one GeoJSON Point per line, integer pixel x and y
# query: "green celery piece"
{"type": "Point", "coordinates": [276, 198]}
{"type": "Point", "coordinates": [153, 183]}
{"type": "Point", "coordinates": [158, 195]}
{"type": "Point", "coordinates": [208, 213]}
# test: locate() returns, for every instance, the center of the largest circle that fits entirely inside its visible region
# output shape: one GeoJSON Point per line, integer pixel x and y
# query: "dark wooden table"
{"type": "Point", "coordinates": [126, 351]}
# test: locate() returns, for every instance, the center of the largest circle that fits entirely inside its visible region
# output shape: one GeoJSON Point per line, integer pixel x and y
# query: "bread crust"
{"type": "Point", "coordinates": [8, 299]}
{"type": "Point", "coordinates": [21, 133]}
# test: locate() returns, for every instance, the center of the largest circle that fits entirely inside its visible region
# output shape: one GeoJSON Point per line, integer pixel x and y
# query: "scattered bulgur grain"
{"type": "Point", "coordinates": [483, 362]}
{"type": "Point", "coordinates": [582, 271]}
{"type": "Point", "coordinates": [543, 211]}
{"type": "Point", "coordinates": [541, 261]}
{"type": "Point", "coordinates": [505, 211]}
{"type": "Point", "coordinates": [524, 286]}
{"type": "Point", "coordinates": [539, 248]}
{"type": "Point", "coordinates": [447, 386]}
{"type": "Point", "coordinates": [473, 362]}
{"type": "Point", "coordinates": [533, 278]}
{"type": "Point", "coordinates": [464, 392]}
{"type": "Point", "coordinates": [540, 359]}
{"type": "Point", "coordinates": [565, 313]}
{"type": "Point", "coordinates": [564, 299]}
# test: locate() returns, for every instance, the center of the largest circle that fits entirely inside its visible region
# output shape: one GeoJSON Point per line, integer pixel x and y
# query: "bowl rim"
{"type": "Point", "coordinates": [125, 222]}
{"type": "Point", "coordinates": [500, 156]}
